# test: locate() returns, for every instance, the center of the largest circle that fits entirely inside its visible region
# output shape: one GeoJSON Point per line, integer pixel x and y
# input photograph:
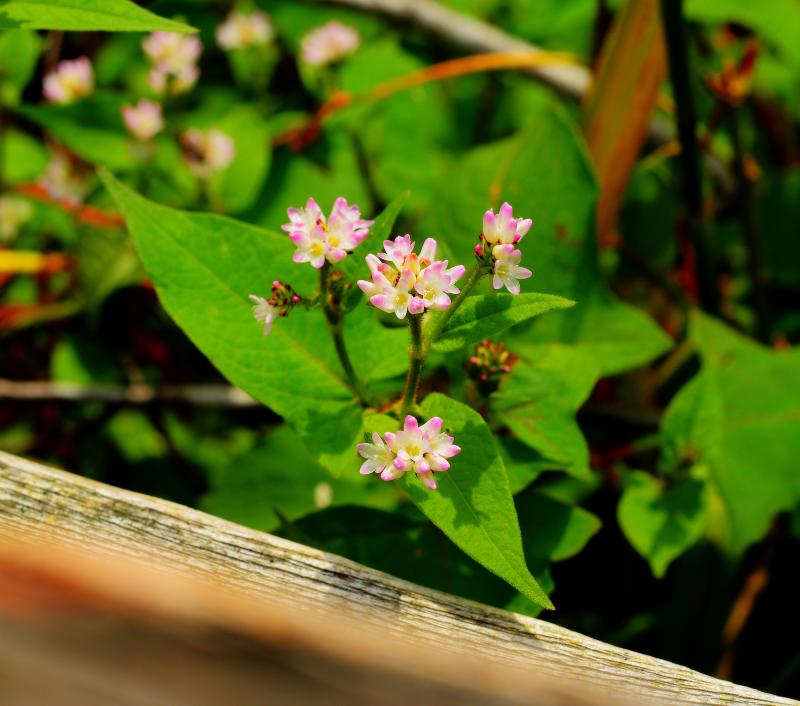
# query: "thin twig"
{"type": "Point", "coordinates": [137, 394]}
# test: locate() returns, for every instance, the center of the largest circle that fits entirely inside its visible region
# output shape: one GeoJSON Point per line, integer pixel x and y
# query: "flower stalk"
{"type": "Point", "coordinates": [336, 326]}
{"type": "Point", "coordinates": [416, 361]}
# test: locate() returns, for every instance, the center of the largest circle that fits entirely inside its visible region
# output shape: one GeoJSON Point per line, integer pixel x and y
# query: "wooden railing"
{"type": "Point", "coordinates": [109, 597]}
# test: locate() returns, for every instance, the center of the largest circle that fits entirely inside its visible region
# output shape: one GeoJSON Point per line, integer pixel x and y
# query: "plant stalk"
{"type": "Point", "coordinates": [678, 56]}
{"type": "Point", "coordinates": [336, 326]}
{"type": "Point", "coordinates": [437, 326]}
{"type": "Point", "coordinates": [416, 360]}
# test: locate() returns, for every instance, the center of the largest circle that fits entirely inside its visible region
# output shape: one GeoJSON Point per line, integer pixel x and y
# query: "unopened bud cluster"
{"type": "Point", "coordinates": [490, 361]}
{"type": "Point", "coordinates": [280, 303]}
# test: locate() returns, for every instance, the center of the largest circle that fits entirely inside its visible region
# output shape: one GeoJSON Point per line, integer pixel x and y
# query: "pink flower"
{"type": "Point", "coordinates": [329, 43]}
{"type": "Point", "coordinates": [423, 450]}
{"type": "Point", "coordinates": [507, 271]}
{"type": "Point", "coordinates": [406, 282]}
{"type": "Point", "coordinates": [207, 153]}
{"type": "Point", "coordinates": [282, 301]}
{"type": "Point", "coordinates": [318, 238]}
{"type": "Point", "coordinates": [240, 31]}
{"type": "Point", "coordinates": [143, 120]}
{"type": "Point", "coordinates": [69, 81]}
{"type": "Point", "coordinates": [503, 228]}
{"type": "Point", "coordinates": [174, 57]}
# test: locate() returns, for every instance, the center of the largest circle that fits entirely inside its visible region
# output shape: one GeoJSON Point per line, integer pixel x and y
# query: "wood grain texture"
{"type": "Point", "coordinates": [260, 571]}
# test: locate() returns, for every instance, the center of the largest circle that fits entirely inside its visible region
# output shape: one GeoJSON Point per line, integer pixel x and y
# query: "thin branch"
{"type": "Point", "coordinates": [136, 394]}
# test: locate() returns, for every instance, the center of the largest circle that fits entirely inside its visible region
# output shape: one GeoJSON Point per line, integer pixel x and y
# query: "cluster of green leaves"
{"type": "Point", "coordinates": [725, 444]}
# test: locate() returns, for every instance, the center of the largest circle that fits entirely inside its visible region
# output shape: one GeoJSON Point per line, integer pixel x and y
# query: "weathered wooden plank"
{"type": "Point", "coordinates": [36, 502]}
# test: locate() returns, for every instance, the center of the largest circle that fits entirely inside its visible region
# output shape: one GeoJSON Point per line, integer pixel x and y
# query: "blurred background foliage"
{"type": "Point", "coordinates": [658, 491]}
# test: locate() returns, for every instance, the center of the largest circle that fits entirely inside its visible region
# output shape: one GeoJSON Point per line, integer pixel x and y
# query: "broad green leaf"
{"type": "Point", "coordinates": [84, 16]}
{"type": "Point", "coordinates": [473, 505]}
{"type": "Point", "coordinates": [662, 521]}
{"type": "Point", "coordinates": [411, 550]}
{"type": "Point", "coordinates": [107, 262]}
{"type": "Point", "coordinates": [617, 335]}
{"type": "Point", "coordinates": [353, 265]}
{"type": "Point", "coordinates": [280, 475]}
{"type": "Point", "coordinates": [19, 52]}
{"type": "Point", "coordinates": [204, 267]}
{"type": "Point", "coordinates": [538, 401]}
{"type": "Point", "coordinates": [92, 128]}
{"type": "Point", "coordinates": [484, 316]}
{"type": "Point", "coordinates": [739, 417]}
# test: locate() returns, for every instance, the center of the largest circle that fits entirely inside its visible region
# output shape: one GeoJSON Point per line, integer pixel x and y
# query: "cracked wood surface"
{"type": "Point", "coordinates": [490, 655]}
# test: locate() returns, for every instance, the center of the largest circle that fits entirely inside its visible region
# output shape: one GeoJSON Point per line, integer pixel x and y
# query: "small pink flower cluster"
{"type": "Point", "coordinates": [143, 120]}
{"type": "Point", "coordinates": [318, 238]}
{"type": "Point", "coordinates": [240, 31]}
{"type": "Point", "coordinates": [174, 57]}
{"type": "Point", "coordinates": [407, 282]}
{"type": "Point", "coordinates": [501, 233]}
{"type": "Point", "coordinates": [207, 153]}
{"type": "Point", "coordinates": [423, 450]}
{"type": "Point", "coordinates": [281, 302]}
{"type": "Point", "coordinates": [69, 81]}
{"type": "Point", "coordinates": [329, 43]}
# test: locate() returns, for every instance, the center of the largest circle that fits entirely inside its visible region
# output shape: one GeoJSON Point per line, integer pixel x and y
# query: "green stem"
{"type": "Point", "coordinates": [336, 327]}
{"type": "Point", "coordinates": [416, 359]}
{"type": "Point", "coordinates": [437, 326]}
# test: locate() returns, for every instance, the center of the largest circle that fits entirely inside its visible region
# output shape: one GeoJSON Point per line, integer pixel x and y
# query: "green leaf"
{"type": "Point", "coordinates": [19, 52]}
{"type": "Point", "coordinates": [280, 474]}
{"type": "Point", "coordinates": [92, 128]}
{"type": "Point", "coordinates": [204, 267]}
{"type": "Point", "coordinates": [84, 16]}
{"type": "Point", "coordinates": [473, 505]}
{"type": "Point", "coordinates": [739, 417]}
{"type": "Point", "coordinates": [402, 547]}
{"type": "Point", "coordinates": [486, 315]}
{"type": "Point", "coordinates": [552, 530]}
{"type": "Point", "coordinates": [544, 172]}
{"type": "Point", "coordinates": [538, 401]}
{"type": "Point", "coordinates": [353, 265]}
{"type": "Point", "coordinates": [661, 521]}
{"type": "Point", "coordinates": [25, 158]}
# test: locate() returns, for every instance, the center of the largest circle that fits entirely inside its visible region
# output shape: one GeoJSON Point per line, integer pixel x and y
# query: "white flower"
{"type": "Point", "coordinates": [393, 298]}
{"type": "Point", "coordinates": [63, 181]}
{"type": "Point", "coordinates": [379, 457]}
{"type": "Point", "coordinates": [174, 57]}
{"type": "Point", "coordinates": [407, 282]}
{"type": "Point", "coordinates": [143, 120]}
{"type": "Point", "coordinates": [207, 153]}
{"type": "Point", "coordinates": [14, 212]}
{"type": "Point", "coordinates": [264, 311]}
{"type": "Point", "coordinates": [436, 283]}
{"type": "Point", "coordinates": [503, 228]}
{"type": "Point", "coordinates": [319, 238]}
{"type": "Point", "coordinates": [418, 449]}
{"type": "Point", "coordinates": [507, 271]}
{"type": "Point", "coordinates": [69, 81]}
{"type": "Point", "coordinates": [240, 31]}
{"type": "Point", "coordinates": [329, 43]}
